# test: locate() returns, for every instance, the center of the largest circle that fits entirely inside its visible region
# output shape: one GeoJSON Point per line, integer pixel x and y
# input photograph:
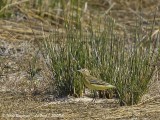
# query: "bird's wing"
{"type": "Point", "coordinates": [94, 80]}
{"type": "Point", "coordinates": [98, 82]}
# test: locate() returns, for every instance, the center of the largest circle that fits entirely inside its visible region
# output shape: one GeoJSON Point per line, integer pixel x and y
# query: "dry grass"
{"type": "Point", "coordinates": [24, 106]}
{"type": "Point", "coordinates": [29, 25]}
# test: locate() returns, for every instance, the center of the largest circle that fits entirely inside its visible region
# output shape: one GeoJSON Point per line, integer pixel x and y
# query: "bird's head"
{"type": "Point", "coordinates": [84, 71]}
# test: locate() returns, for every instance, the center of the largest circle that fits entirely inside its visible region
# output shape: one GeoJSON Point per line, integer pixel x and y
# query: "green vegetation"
{"type": "Point", "coordinates": [126, 60]}
{"type": "Point", "coordinates": [129, 65]}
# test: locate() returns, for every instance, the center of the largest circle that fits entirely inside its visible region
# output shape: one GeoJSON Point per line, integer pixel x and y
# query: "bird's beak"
{"type": "Point", "coordinates": [79, 70]}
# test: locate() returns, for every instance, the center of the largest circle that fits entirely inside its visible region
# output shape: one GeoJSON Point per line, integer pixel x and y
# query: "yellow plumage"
{"type": "Point", "coordinates": [94, 83]}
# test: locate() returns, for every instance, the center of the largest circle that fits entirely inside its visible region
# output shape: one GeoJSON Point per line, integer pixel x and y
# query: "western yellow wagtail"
{"type": "Point", "coordinates": [94, 83]}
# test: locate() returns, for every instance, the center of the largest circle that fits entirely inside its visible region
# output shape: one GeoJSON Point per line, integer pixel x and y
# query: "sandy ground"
{"type": "Point", "coordinates": [22, 107]}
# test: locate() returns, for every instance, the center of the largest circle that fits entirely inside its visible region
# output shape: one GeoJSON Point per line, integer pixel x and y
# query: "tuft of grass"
{"type": "Point", "coordinates": [127, 64]}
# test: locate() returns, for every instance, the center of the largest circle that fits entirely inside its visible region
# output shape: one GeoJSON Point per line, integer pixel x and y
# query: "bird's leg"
{"type": "Point", "coordinates": [94, 96]}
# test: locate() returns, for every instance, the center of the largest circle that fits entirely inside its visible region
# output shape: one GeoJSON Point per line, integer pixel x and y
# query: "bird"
{"type": "Point", "coordinates": [94, 83]}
